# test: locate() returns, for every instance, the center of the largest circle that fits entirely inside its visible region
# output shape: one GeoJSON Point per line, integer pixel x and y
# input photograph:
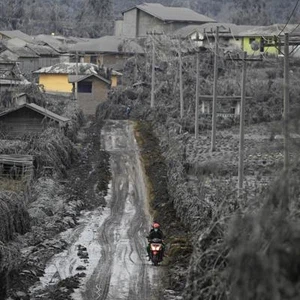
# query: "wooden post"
{"type": "Point", "coordinates": [242, 122]}
{"type": "Point", "coordinates": [197, 97]}
{"type": "Point", "coordinates": [180, 82]}
{"type": "Point", "coordinates": [76, 81]}
{"type": "Point", "coordinates": [286, 97]}
{"type": "Point", "coordinates": [153, 74]}
{"type": "Point", "coordinates": [214, 105]}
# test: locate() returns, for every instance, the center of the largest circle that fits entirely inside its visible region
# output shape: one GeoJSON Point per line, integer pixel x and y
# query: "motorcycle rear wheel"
{"type": "Point", "coordinates": [155, 260]}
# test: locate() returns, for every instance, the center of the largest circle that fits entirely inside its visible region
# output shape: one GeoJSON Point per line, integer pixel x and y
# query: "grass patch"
{"type": "Point", "coordinates": [146, 162]}
{"type": "Point", "coordinates": [12, 185]}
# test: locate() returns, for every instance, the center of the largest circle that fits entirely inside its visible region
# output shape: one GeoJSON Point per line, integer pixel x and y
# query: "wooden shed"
{"type": "Point", "coordinates": [16, 166]}
{"type": "Point", "coordinates": [29, 118]}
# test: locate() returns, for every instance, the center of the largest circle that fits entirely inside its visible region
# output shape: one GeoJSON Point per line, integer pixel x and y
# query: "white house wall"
{"type": "Point", "coordinates": [129, 23]}
{"type": "Point", "coordinates": [119, 27]}
{"type": "Point", "coordinates": [147, 23]}
{"type": "Point", "coordinates": [236, 43]}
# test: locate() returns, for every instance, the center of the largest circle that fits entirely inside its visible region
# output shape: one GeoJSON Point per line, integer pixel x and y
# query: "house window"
{"type": "Point", "coordinates": [94, 59]}
{"type": "Point", "coordinates": [251, 40]}
{"type": "Point", "coordinates": [85, 87]}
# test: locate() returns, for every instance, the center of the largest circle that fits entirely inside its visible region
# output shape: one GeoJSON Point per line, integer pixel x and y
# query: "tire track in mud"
{"type": "Point", "coordinates": [123, 271]}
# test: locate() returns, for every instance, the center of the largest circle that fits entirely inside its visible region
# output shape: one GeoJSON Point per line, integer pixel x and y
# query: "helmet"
{"type": "Point", "coordinates": [155, 225]}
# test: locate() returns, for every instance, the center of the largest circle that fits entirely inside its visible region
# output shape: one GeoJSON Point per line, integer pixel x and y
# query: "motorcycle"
{"type": "Point", "coordinates": [156, 251]}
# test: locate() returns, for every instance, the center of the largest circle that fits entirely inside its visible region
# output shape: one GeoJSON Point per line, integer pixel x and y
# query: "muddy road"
{"type": "Point", "coordinates": [109, 243]}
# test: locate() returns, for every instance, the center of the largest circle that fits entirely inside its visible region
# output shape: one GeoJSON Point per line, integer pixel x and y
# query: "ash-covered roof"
{"type": "Point", "coordinates": [16, 34]}
{"type": "Point", "coordinates": [225, 29]}
{"type": "Point", "coordinates": [108, 44]}
{"type": "Point", "coordinates": [58, 43]}
{"type": "Point", "coordinates": [13, 53]}
{"type": "Point", "coordinates": [78, 78]}
{"type": "Point", "coordinates": [47, 113]}
{"type": "Point", "coordinates": [164, 13]}
{"type": "Point", "coordinates": [69, 68]}
{"type": "Point", "coordinates": [43, 50]}
{"type": "Point", "coordinates": [6, 61]}
{"type": "Point", "coordinates": [207, 27]}
{"type": "Point", "coordinates": [270, 30]}
{"type": "Point", "coordinates": [24, 49]}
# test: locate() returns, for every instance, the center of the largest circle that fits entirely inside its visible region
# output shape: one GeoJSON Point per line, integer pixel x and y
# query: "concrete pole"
{"type": "Point", "coordinates": [197, 97]}
{"type": "Point", "coordinates": [153, 74]}
{"type": "Point", "coordinates": [242, 123]}
{"type": "Point", "coordinates": [180, 84]}
{"type": "Point", "coordinates": [214, 105]}
{"type": "Point", "coordinates": [76, 82]}
{"type": "Point", "coordinates": [286, 97]}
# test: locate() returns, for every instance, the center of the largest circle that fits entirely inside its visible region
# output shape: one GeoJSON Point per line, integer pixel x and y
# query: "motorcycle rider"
{"type": "Point", "coordinates": [155, 233]}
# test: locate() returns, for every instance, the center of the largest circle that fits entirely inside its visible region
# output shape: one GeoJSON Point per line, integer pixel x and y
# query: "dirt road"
{"type": "Point", "coordinates": [109, 244]}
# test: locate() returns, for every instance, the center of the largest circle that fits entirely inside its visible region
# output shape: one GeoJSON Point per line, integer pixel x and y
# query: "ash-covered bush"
{"type": "Point", "coordinates": [52, 149]}
{"type": "Point", "coordinates": [13, 215]}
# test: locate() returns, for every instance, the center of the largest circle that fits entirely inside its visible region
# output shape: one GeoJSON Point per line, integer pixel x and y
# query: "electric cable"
{"type": "Point", "coordinates": [295, 7]}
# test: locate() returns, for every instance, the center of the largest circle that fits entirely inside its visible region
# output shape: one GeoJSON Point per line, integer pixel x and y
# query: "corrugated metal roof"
{"type": "Point", "coordinates": [77, 78]}
{"type": "Point", "coordinates": [6, 61]}
{"type": "Point", "coordinates": [52, 42]}
{"type": "Point", "coordinates": [43, 50]}
{"type": "Point", "coordinates": [69, 68]}
{"type": "Point", "coordinates": [16, 52]}
{"type": "Point", "coordinates": [207, 27]}
{"type": "Point", "coordinates": [8, 55]}
{"type": "Point", "coordinates": [180, 14]}
{"type": "Point", "coordinates": [47, 113]}
{"type": "Point", "coordinates": [270, 30]}
{"type": "Point", "coordinates": [58, 43]}
{"type": "Point", "coordinates": [17, 34]}
{"type": "Point", "coordinates": [108, 44]}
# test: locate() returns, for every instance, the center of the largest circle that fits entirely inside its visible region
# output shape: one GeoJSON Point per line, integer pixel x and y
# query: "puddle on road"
{"type": "Point", "coordinates": [65, 264]}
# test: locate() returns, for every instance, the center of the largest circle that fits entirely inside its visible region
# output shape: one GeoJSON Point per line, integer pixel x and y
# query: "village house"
{"type": "Point", "coordinates": [10, 78]}
{"type": "Point", "coordinates": [29, 118]}
{"type": "Point", "coordinates": [17, 50]}
{"type": "Point", "coordinates": [55, 79]}
{"type": "Point", "coordinates": [92, 90]}
{"type": "Point", "coordinates": [60, 44]}
{"type": "Point", "coordinates": [248, 38]}
{"type": "Point", "coordinates": [93, 83]}
{"type": "Point", "coordinates": [30, 56]}
{"type": "Point", "coordinates": [138, 21]}
{"type": "Point", "coordinates": [107, 51]}
{"type": "Point", "coordinates": [204, 35]}
{"type": "Point", "coordinates": [255, 38]}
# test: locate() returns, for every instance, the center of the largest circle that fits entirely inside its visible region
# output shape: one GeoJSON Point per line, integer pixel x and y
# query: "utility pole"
{"type": "Point", "coordinates": [214, 104]}
{"type": "Point", "coordinates": [76, 81]}
{"type": "Point", "coordinates": [152, 34]}
{"type": "Point", "coordinates": [180, 82]}
{"type": "Point", "coordinates": [197, 97]}
{"type": "Point", "coordinates": [242, 122]}
{"type": "Point", "coordinates": [286, 119]}
{"type": "Point", "coordinates": [244, 60]}
{"type": "Point", "coordinates": [153, 74]}
{"type": "Point", "coordinates": [198, 49]}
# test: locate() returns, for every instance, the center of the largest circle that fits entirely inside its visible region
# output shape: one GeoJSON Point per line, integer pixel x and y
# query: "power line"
{"type": "Point", "coordinates": [295, 28]}
{"type": "Point", "coordinates": [289, 17]}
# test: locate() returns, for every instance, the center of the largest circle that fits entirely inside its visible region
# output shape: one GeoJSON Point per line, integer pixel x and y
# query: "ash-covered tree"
{"type": "Point", "coordinates": [250, 12]}
{"type": "Point", "coordinates": [96, 18]}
